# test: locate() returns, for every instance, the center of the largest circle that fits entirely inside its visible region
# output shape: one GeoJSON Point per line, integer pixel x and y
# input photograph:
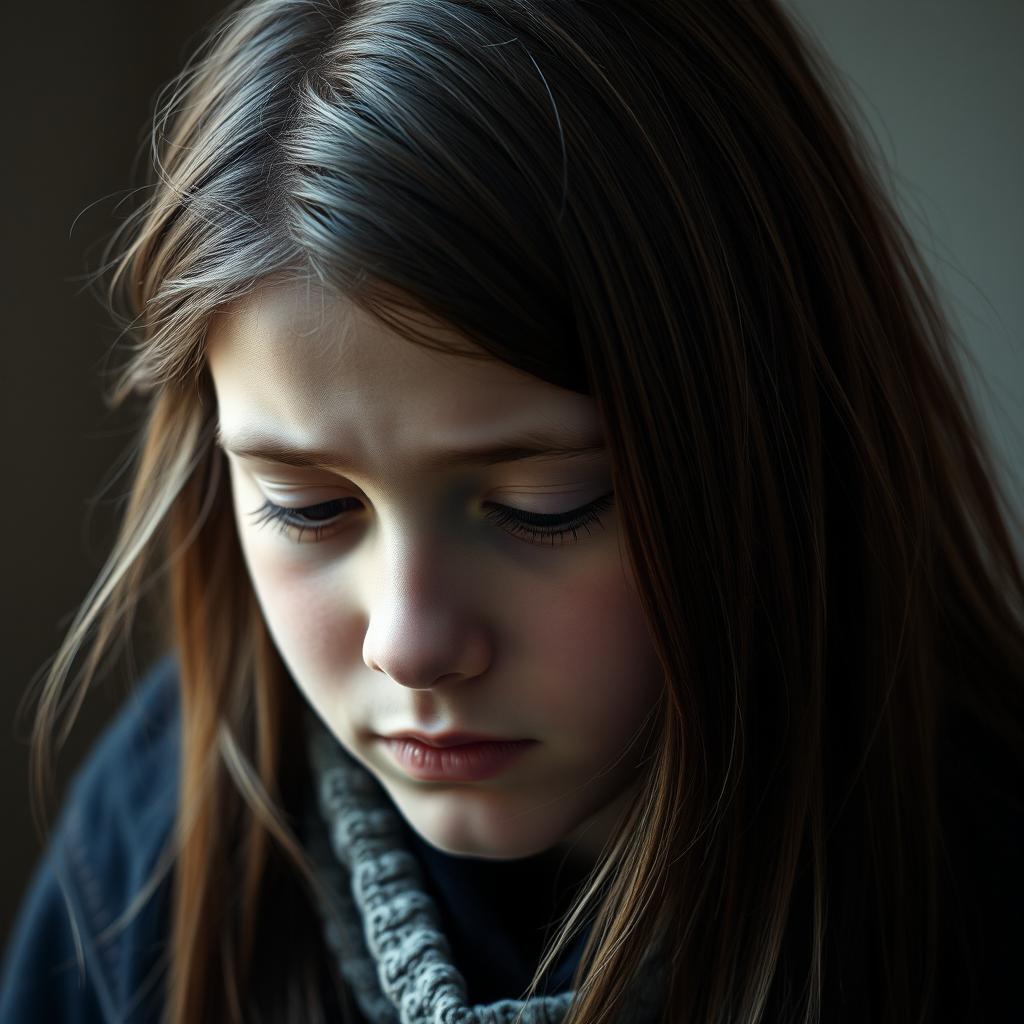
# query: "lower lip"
{"type": "Point", "coordinates": [469, 762]}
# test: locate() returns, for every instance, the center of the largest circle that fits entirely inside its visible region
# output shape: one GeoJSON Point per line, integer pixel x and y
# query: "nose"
{"type": "Point", "coordinates": [423, 627]}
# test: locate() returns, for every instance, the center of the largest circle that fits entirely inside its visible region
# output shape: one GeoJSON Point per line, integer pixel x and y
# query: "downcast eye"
{"type": "Point", "coordinates": [537, 527]}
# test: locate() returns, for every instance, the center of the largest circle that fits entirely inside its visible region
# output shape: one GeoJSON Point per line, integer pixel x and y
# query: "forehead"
{"type": "Point", "coordinates": [321, 370]}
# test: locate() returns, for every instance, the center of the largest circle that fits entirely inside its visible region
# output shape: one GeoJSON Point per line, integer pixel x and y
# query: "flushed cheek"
{"type": "Point", "coordinates": [309, 623]}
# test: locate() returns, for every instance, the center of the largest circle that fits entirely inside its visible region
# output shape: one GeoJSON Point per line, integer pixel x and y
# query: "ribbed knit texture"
{"type": "Point", "coordinates": [385, 927]}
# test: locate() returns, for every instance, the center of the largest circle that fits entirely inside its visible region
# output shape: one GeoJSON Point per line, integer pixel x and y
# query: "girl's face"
{"type": "Point", "coordinates": [399, 602]}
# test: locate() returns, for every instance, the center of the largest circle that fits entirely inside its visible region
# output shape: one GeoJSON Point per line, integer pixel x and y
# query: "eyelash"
{"type": "Point", "coordinates": [535, 526]}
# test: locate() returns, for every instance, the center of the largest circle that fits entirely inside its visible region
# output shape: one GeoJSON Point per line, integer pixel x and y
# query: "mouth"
{"type": "Point", "coordinates": [462, 762]}
{"type": "Point", "coordinates": [453, 738]}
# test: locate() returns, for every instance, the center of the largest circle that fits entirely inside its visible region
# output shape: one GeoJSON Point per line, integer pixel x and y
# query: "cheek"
{"type": "Point", "coordinates": [596, 664]}
{"type": "Point", "coordinates": [305, 621]}
{"type": "Point", "coordinates": [303, 607]}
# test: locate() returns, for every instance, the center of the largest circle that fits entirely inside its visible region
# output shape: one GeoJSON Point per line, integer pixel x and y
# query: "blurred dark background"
{"type": "Point", "coordinates": [80, 85]}
{"type": "Point", "coordinates": [940, 83]}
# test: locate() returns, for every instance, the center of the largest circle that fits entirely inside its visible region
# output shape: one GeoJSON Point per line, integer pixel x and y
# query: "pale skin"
{"type": "Point", "coordinates": [415, 610]}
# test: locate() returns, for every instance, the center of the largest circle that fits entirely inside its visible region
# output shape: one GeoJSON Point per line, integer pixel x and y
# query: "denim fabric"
{"type": "Point", "coordinates": [66, 960]}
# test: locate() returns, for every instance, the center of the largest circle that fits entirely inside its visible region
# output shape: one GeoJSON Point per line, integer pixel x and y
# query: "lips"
{"type": "Point", "coordinates": [465, 762]}
{"type": "Point", "coordinates": [443, 740]}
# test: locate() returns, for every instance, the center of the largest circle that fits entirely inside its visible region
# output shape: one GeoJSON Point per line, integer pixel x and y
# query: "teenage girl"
{"type": "Point", "coordinates": [589, 595]}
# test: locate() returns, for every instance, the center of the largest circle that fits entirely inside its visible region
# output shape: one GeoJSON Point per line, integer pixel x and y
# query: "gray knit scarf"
{"type": "Point", "coordinates": [384, 926]}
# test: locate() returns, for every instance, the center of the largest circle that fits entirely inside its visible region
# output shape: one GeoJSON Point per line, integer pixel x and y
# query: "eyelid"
{"type": "Point", "coordinates": [311, 494]}
{"type": "Point", "coordinates": [545, 526]}
{"type": "Point", "coordinates": [298, 494]}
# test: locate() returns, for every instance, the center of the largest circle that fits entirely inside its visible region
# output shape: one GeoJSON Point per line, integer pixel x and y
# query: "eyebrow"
{"type": "Point", "coordinates": [536, 444]}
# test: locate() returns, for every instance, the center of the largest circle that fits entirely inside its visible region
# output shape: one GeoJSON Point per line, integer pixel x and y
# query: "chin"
{"type": "Point", "coordinates": [475, 832]}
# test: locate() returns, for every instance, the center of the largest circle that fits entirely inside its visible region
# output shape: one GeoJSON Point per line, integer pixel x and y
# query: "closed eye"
{"type": "Point", "coordinates": [537, 527]}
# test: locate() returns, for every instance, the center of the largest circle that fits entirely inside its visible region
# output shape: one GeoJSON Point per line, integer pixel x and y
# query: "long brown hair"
{"type": "Point", "coordinates": [667, 206]}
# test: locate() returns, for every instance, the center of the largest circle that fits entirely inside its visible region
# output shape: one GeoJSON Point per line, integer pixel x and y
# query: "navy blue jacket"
{"type": "Point", "coordinates": [66, 964]}
{"type": "Point", "coordinates": [59, 966]}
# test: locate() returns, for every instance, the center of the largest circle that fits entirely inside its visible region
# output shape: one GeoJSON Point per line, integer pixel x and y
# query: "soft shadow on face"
{"type": "Point", "coordinates": [413, 606]}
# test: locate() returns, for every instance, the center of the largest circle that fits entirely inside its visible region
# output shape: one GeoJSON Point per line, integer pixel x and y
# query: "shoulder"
{"type": "Point", "coordinates": [130, 776]}
{"type": "Point", "coordinates": [86, 940]}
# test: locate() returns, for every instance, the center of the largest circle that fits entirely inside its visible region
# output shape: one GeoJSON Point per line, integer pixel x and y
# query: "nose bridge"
{"type": "Point", "coordinates": [409, 571]}
{"type": "Point", "coordinates": [421, 625]}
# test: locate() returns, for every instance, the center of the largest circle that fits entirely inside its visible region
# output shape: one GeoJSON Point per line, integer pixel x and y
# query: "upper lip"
{"type": "Point", "coordinates": [447, 739]}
